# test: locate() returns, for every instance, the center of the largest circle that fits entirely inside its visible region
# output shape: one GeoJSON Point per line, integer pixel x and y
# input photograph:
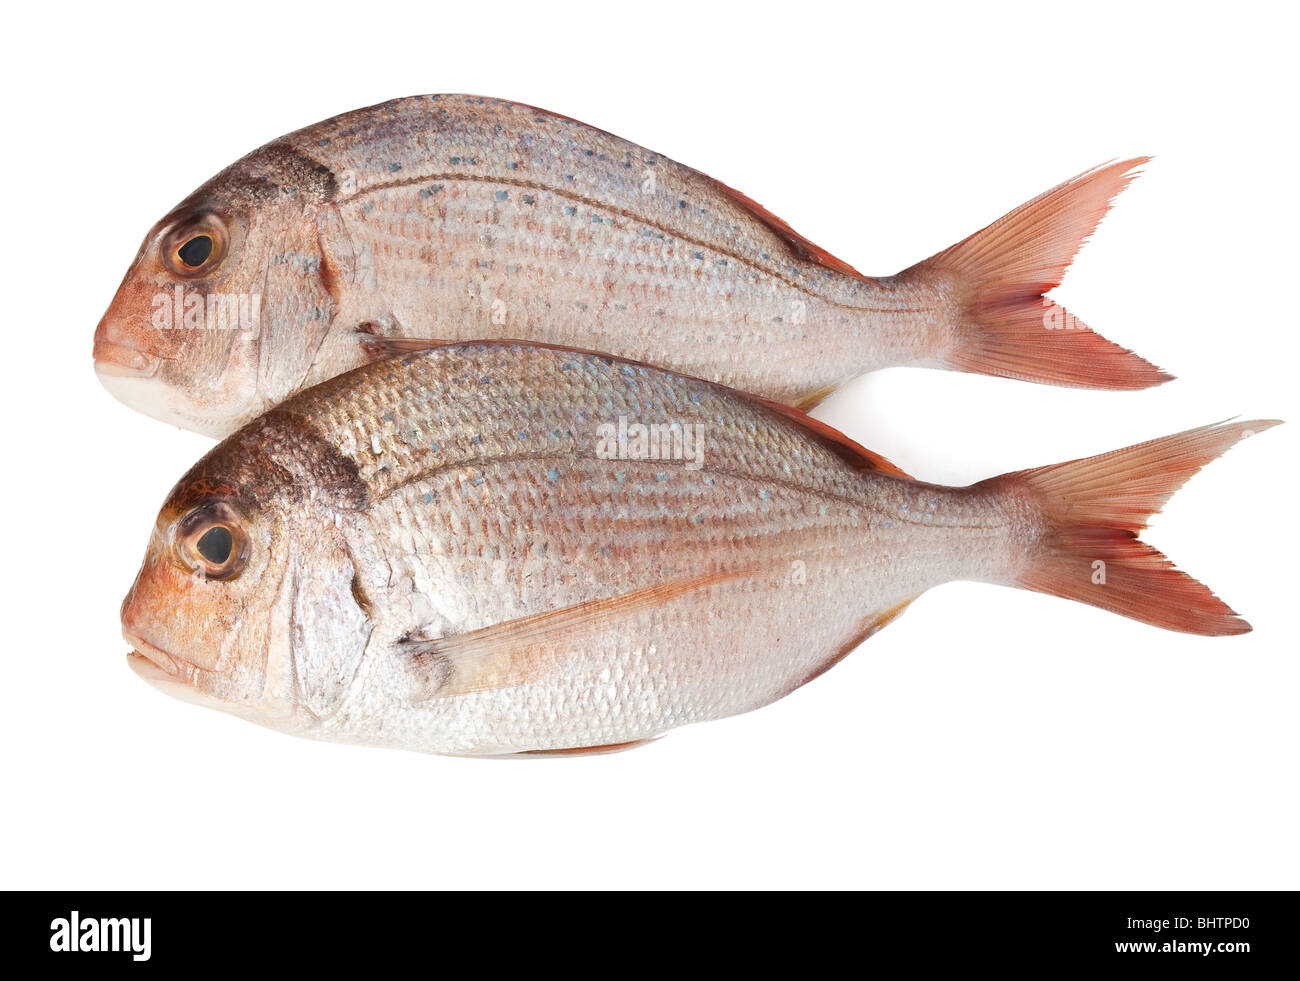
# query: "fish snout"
{"type": "Point", "coordinates": [117, 354]}
{"type": "Point", "coordinates": [133, 625]}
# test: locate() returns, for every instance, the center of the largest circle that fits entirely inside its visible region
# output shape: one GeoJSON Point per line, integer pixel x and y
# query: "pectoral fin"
{"type": "Point", "coordinates": [516, 651]}
{"type": "Point", "coordinates": [378, 348]}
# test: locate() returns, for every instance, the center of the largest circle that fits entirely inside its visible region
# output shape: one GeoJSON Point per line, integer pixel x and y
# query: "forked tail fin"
{"type": "Point", "coordinates": [1087, 515]}
{"type": "Point", "coordinates": [999, 275]}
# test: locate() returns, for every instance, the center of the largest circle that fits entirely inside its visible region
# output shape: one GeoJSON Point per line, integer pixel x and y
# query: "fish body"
{"type": "Point", "coordinates": [499, 548]}
{"type": "Point", "coordinates": [453, 217]}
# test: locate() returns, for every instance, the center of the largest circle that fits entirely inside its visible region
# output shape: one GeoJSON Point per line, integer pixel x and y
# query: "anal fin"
{"type": "Point", "coordinates": [870, 626]}
{"type": "Point", "coordinates": [589, 750]}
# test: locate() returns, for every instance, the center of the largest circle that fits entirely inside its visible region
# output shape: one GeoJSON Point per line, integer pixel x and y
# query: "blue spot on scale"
{"type": "Point", "coordinates": [553, 475]}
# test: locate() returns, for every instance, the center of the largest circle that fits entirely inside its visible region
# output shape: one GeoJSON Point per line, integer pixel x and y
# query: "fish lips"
{"type": "Point", "coordinates": [116, 361]}
{"type": "Point", "coordinates": [159, 668]}
{"type": "Point", "coordinates": [175, 676]}
{"type": "Point", "coordinates": [151, 663]}
{"type": "Point", "coordinates": [144, 661]}
{"type": "Point", "coordinates": [146, 393]}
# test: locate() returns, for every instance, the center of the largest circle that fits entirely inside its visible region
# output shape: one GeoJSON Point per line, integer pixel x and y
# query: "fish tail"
{"type": "Point", "coordinates": [1005, 325]}
{"type": "Point", "coordinates": [1082, 520]}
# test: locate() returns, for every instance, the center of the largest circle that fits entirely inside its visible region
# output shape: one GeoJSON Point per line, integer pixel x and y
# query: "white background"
{"type": "Point", "coordinates": [990, 739]}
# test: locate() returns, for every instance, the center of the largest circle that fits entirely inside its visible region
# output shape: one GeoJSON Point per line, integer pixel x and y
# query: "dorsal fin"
{"type": "Point", "coordinates": [847, 449]}
{"type": "Point", "coordinates": [800, 246]}
{"type": "Point", "coordinates": [796, 243]}
{"type": "Point", "coordinates": [827, 435]}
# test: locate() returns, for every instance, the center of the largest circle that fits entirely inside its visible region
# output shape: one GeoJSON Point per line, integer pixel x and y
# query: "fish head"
{"type": "Point", "coordinates": [246, 600]}
{"type": "Point", "coordinates": [185, 337]}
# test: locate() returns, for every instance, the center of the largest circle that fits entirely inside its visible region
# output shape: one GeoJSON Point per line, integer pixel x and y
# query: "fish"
{"type": "Point", "coordinates": [496, 549]}
{"type": "Point", "coordinates": [454, 218]}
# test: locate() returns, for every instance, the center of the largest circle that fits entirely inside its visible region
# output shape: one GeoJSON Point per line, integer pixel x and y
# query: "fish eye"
{"type": "Point", "coordinates": [216, 544]}
{"type": "Point", "coordinates": [211, 541]}
{"type": "Point", "coordinates": [195, 252]}
{"type": "Point", "coordinates": [195, 245]}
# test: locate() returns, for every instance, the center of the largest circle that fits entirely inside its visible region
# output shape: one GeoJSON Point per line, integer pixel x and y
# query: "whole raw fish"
{"type": "Point", "coordinates": [497, 548]}
{"type": "Point", "coordinates": [459, 218]}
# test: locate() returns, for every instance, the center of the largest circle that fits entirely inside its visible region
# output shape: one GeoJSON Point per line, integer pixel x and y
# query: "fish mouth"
{"type": "Point", "coordinates": [156, 666]}
{"type": "Point", "coordinates": [120, 361]}
{"type": "Point", "coordinates": [148, 669]}
{"type": "Point", "coordinates": [170, 675]}
{"type": "Point", "coordinates": [178, 678]}
{"type": "Point", "coordinates": [138, 385]}
{"type": "Point", "coordinates": [145, 656]}
{"type": "Point", "coordinates": [144, 661]}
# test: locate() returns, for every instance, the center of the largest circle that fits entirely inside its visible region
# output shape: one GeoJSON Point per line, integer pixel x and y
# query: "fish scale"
{"type": "Point", "coordinates": [684, 296]}
{"type": "Point", "coordinates": [503, 521]}
{"type": "Point", "coordinates": [437, 218]}
{"type": "Point", "coordinates": [444, 397]}
{"type": "Point", "coordinates": [447, 552]}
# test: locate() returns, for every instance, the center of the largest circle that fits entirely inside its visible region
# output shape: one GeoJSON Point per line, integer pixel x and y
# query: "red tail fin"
{"type": "Point", "coordinates": [1090, 511]}
{"type": "Point", "coordinates": [1009, 328]}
